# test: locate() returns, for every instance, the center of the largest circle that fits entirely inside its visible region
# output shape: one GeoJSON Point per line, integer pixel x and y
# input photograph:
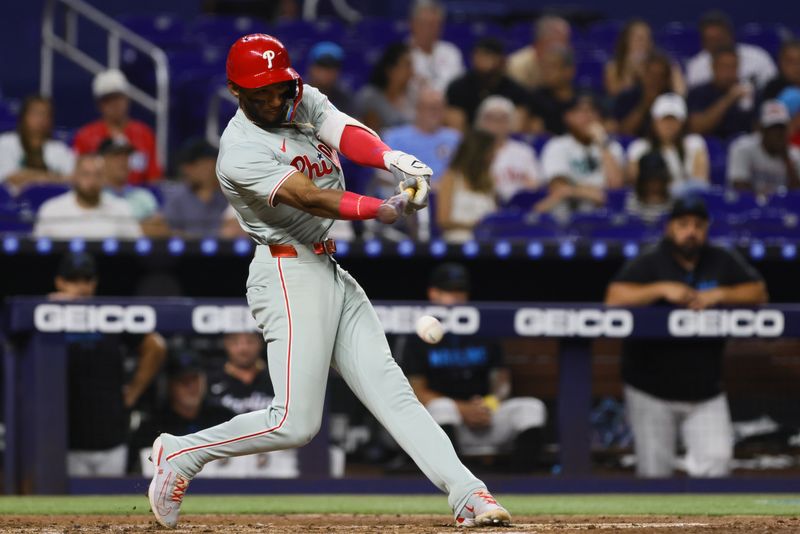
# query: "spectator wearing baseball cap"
{"type": "Point", "coordinates": [324, 68]}
{"type": "Point", "coordinates": [685, 154]}
{"type": "Point", "coordinates": [195, 206]}
{"type": "Point", "coordinates": [673, 387]}
{"type": "Point", "coordinates": [142, 202]}
{"type": "Point", "coordinates": [580, 165]}
{"type": "Point", "coordinates": [765, 162]}
{"type": "Point", "coordinates": [110, 90]}
{"type": "Point", "coordinates": [486, 77]}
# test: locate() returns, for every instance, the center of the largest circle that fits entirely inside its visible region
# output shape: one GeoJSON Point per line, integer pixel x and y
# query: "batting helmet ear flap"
{"type": "Point", "coordinates": [298, 96]}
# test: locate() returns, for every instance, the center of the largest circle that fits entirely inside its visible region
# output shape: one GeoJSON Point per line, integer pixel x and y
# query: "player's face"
{"type": "Point", "coordinates": [78, 288]}
{"type": "Point", "coordinates": [667, 128]}
{"type": "Point", "coordinates": [243, 349]}
{"type": "Point", "coordinates": [688, 234]}
{"type": "Point", "coordinates": [267, 105]}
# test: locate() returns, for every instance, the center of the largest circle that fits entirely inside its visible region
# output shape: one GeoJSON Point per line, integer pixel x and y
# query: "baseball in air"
{"type": "Point", "coordinates": [429, 329]}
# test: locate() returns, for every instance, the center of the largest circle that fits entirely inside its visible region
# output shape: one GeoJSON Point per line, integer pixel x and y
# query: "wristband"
{"type": "Point", "coordinates": [353, 207]}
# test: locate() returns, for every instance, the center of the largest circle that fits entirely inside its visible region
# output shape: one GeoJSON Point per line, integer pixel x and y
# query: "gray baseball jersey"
{"type": "Point", "coordinates": [254, 162]}
{"type": "Point", "coordinates": [313, 314]}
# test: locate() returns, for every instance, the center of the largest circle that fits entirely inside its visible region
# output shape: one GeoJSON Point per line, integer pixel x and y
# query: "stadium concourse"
{"type": "Point", "coordinates": [611, 242]}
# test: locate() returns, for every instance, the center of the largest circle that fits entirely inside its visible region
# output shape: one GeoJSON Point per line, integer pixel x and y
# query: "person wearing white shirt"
{"type": "Point", "coordinates": [86, 211]}
{"type": "Point", "coordinates": [514, 167]}
{"type": "Point", "coordinates": [436, 62]}
{"type": "Point", "coordinates": [765, 162]}
{"type": "Point", "coordinates": [685, 155]}
{"type": "Point", "coordinates": [29, 155]}
{"type": "Point", "coordinates": [756, 67]}
{"type": "Point", "coordinates": [580, 165]}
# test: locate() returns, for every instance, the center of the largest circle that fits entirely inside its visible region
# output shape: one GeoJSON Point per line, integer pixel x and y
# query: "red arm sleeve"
{"type": "Point", "coordinates": [360, 146]}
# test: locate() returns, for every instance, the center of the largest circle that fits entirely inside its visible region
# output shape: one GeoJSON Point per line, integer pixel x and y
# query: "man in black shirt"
{"type": "Point", "coordinates": [99, 396]}
{"type": "Point", "coordinates": [463, 383]}
{"type": "Point", "coordinates": [487, 77]}
{"type": "Point", "coordinates": [674, 386]}
{"type": "Point", "coordinates": [724, 106]}
{"type": "Point", "coordinates": [557, 93]}
{"type": "Point", "coordinates": [789, 71]}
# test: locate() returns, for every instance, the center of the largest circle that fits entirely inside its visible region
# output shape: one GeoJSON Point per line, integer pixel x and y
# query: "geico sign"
{"type": "Point", "coordinates": [109, 319]}
{"type": "Point", "coordinates": [734, 323]}
{"type": "Point", "coordinates": [222, 319]}
{"type": "Point", "coordinates": [462, 320]}
{"type": "Point", "coordinates": [559, 322]}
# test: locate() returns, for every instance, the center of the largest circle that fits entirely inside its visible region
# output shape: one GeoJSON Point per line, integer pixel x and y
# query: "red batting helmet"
{"type": "Point", "coordinates": [257, 60]}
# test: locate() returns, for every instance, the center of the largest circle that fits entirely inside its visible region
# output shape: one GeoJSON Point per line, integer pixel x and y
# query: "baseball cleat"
{"type": "Point", "coordinates": [166, 489]}
{"type": "Point", "coordinates": [482, 510]}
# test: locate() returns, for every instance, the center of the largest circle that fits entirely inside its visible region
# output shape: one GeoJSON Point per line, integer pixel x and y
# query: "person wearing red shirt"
{"type": "Point", "coordinates": [110, 91]}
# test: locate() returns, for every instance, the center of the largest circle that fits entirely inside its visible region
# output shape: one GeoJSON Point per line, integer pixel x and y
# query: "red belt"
{"type": "Point", "coordinates": [288, 251]}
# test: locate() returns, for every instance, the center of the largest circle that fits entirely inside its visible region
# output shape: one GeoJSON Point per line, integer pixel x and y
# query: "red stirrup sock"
{"type": "Point", "coordinates": [360, 146]}
{"type": "Point", "coordinates": [353, 207]}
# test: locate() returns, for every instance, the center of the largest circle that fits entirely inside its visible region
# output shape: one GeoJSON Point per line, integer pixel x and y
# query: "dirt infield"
{"type": "Point", "coordinates": [418, 524]}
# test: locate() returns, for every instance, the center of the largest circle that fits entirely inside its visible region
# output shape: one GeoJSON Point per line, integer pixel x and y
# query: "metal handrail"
{"type": "Point", "coordinates": [117, 33]}
{"type": "Point", "coordinates": [212, 117]}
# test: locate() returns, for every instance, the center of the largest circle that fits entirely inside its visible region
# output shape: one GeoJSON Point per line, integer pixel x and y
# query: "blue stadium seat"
{"type": "Point", "coordinates": [513, 224]}
{"type": "Point", "coordinates": [766, 36]}
{"type": "Point", "coordinates": [604, 34]}
{"type": "Point", "coordinates": [615, 199]}
{"type": "Point", "coordinates": [223, 30]}
{"type": "Point", "coordinates": [718, 160]}
{"type": "Point", "coordinates": [33, 197]}
{"type": "Point", "coordinates": [523, 201]}
{"type": "Point", "coordinates": [589, 74]}
{"type": "Point", "coordinates": [164, 29]}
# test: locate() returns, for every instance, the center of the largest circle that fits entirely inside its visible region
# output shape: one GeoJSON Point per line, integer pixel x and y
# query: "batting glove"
{"type": "Point", "coordinates": [410, 173]}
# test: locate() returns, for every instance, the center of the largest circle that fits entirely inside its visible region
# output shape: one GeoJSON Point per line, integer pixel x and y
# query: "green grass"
{"type": "Point", "coordinates": [775, 504]}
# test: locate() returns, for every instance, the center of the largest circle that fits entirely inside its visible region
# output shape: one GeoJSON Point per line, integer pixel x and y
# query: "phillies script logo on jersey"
{"type": "Point", "coordinates": [317, 167]}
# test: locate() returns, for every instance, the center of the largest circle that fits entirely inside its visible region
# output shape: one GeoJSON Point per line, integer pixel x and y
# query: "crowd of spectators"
{"type": "Point", "coordinates": [538, 130]}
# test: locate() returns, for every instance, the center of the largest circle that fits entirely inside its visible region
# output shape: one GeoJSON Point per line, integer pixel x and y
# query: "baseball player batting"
{"type": "Point", "coordinates": [278, 166]}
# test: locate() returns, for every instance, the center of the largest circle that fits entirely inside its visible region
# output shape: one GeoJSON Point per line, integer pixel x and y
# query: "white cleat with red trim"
{"type": "Point", "coordinates": [166, 489]}
{"type": "Point", "coordinates": [482, 510]}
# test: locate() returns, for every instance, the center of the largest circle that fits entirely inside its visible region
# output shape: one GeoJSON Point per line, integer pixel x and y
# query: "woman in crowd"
{"type": "Point", "coordinates": [634, 45]}
{"type": "Point", "coordinates": [29, 155]}
{"type": "Point", "coordinates": [384, 101]}
{"type": "Point", "coordinates": [466, 190]}
{"type": "Point", "coordinates": [686, 155]}
{"type": "Point", "coordinates": [650, 199]}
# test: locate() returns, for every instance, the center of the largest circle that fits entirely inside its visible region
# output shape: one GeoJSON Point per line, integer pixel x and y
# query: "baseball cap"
{"type": "Point", "coordinates": [184, 362]}
{"type": "Point", "coordinates": [114, 145]}
{"type": "Point", "coordinates": [773, 113]}
{"type": "Point", "coordinates": [195, 149]}
{"type": "Point", "coordinates": [689, 205]}
{"type": "Point", "coordinates": [109, 82]}
{"type": "Point", "coordinates": [669, 105]}
{"type": "Point", "coordinates": [450, 277]}
{"type": "Point", "coordinates": [790, 97]}
{"type": "Point", "coordinates": [327, 54]}
{"type": "Point", "coordinates": [77, 266]}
